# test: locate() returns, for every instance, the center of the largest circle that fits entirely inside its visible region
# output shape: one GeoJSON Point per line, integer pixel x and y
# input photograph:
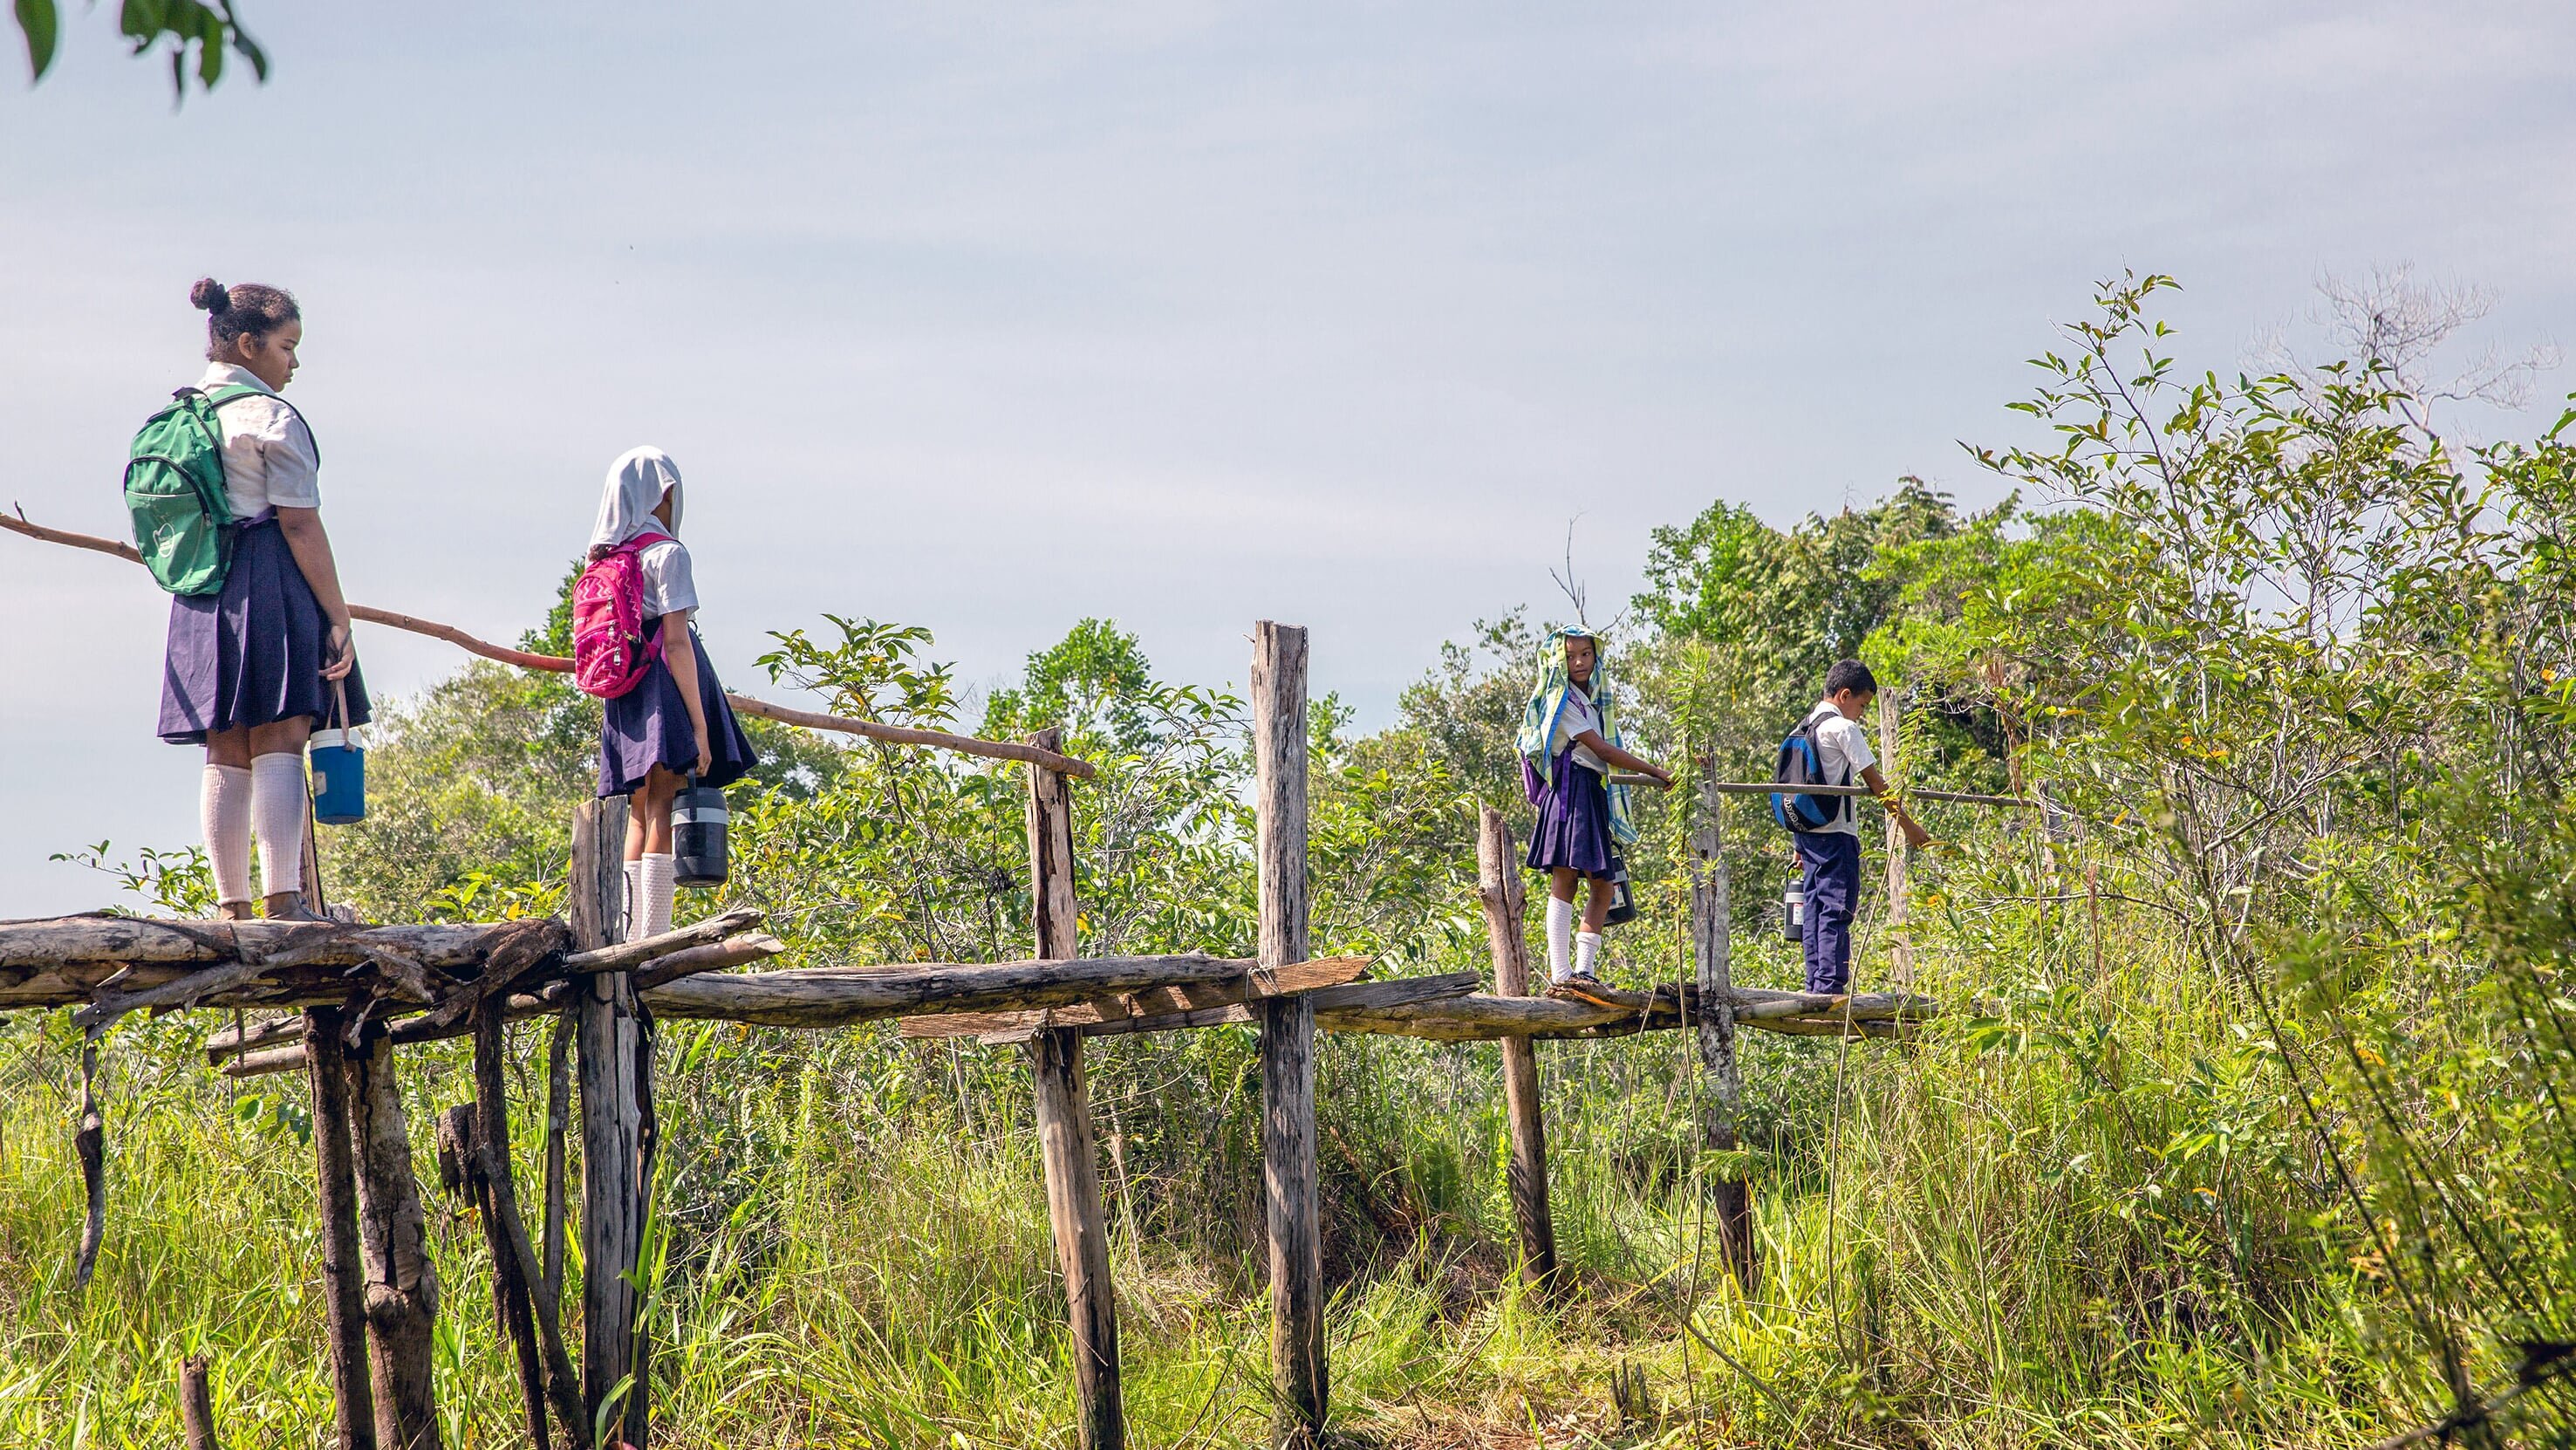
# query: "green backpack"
{"type": "Point", "coordinates": [174, 488]}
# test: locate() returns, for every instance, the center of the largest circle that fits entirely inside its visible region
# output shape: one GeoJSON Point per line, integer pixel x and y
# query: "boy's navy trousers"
{"type": "Point", "coordinates": [1832, 882]}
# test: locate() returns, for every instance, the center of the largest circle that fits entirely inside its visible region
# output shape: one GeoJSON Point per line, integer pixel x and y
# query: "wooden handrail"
{"type": "Point", "coordinates": [523, 659]}
{"type": "Point", "coordinates": [1747, 787]}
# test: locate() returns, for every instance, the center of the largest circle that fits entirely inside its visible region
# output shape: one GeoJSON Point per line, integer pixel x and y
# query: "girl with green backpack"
{"type": "Point", "coordinates": [259, 649]}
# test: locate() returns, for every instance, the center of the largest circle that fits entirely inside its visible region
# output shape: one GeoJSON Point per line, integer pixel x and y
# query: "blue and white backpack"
{"type": "Point", "coordinates": [1803, 763]}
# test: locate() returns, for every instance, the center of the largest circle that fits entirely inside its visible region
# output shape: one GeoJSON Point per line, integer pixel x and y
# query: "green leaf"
{"type": "Point", "coordinates": [41, 23]}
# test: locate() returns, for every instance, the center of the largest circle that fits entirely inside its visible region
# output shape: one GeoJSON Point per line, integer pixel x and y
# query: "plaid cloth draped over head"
{"type": "Point", "coordinates": [1548, 700]}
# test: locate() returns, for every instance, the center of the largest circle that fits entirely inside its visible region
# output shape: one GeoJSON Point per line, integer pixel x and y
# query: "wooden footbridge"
{"type": "Point", "coordinates": [338, 1002]}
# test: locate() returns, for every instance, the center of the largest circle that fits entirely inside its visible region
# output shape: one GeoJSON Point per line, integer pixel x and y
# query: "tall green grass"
{"type": "Point", "coordinates": [2079, 1217]}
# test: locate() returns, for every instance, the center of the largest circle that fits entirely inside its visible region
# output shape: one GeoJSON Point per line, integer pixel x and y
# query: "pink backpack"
{"type": "Point", "coordinates": [610, 654]}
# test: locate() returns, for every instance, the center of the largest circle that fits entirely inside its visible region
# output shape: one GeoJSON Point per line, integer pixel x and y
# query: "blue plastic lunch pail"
{"type": "Point", "coordinates": [339, 771]}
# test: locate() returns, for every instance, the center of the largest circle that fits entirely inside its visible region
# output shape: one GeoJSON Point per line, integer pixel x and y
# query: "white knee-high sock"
{"type": "Point", "coordinates": [1587, 951]}
{"type": "Point", "coordinates": [223, 808]}
{"type": "Point", "coordinates": [634, 902]}
{"type": "Point", "coordinates": [655, 916]}
{"type": "Point", "coordinates": [1560, 938]}
{"type": "Point", "coordinates": [277, 810]}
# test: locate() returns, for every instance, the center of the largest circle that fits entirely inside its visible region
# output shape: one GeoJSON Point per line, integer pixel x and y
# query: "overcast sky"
{"type": "Point", "coordinates": [989, 319]}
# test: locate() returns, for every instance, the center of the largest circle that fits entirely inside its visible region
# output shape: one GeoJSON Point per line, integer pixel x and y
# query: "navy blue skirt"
{"type": "Point", "coordinates": [649, 726]}
{"type": "Point", "coordinates": [1573, 821]}
{"type": "Point", "coordinates": [251, 655]}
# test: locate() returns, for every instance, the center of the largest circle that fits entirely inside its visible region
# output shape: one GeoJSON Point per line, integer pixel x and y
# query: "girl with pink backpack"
{"type": "Point", "coordinates": [636, 645]}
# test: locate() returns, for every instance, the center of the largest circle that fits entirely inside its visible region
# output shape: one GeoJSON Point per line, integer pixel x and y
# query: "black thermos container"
{"type": "Point", "coordinates": [1623, 905]}
{"type": "Point", "coordinates": [698, 821]}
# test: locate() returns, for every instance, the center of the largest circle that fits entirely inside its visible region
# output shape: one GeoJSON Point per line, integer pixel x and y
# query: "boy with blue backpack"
{"type": "Point", "coordinates": [1830, 748]}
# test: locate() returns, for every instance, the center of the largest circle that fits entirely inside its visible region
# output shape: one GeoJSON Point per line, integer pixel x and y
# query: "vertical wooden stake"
{"type": "Point", "coordinates": [196, 1404]}
{"type": "Point", "coordinates": [1900, 952]}
{"type": "Point", "coordinates": [1712, 949]}
{"type": "Point", "coordinates": [1065, 1140]}
{"type": "Point", "coordinates": [89, 1144]}
{"type": "Point", "coordinates": [1298, 1372]}
{"type": "Point", "coordinates": [512, 1295]}
{"type": "Point", "coordinates": [610, 1043]}
{"type": "Point", "coordinates": [393, 1235]}
{"type": "Point", "coordinates": [344, 1285]}
{"type": "Point", "coordinates": [1056, 912]}
{"type": "Point", "coordinates": [558, 1120]}
{"type": "Point", "coordinates": [1498, 879]}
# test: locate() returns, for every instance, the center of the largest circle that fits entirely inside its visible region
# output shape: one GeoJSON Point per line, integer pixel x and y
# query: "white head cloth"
{"type": "Point", "coordinates": [636, 483]}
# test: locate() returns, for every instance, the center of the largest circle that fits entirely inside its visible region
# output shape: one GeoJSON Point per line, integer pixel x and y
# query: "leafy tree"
{"type": "Point", "coordinates": [208, 29]}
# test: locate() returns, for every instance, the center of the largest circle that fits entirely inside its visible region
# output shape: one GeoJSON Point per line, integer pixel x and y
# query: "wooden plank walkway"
{"type": "Point", "coordinates": [338, 1001]}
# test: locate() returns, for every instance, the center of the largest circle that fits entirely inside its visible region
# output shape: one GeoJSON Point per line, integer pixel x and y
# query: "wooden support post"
{"type": "Point", "coordinates": [89, 1144]}
{"type": "Point", "coordinates": [1712, 948]}
{"type": "Point", "coordinates": [1498, 878]}
{"type": "Point", "coordinates": [544, 1371]}
{"type": "Point", "coordinates": [1900, 952]}
{"type": "Point", "coordinates": [1065, 1142]}
{"type": "Point", "coordinates": [1298, 1372]}
{"type": "Point", "coordinates": [614, 1072]}
{"type": "Point", "coordinates": [344, 1285]}
{"type": "Point", "coordinates": [558, 1121]}
{"type": "Point", "coordinates": [196, 1404]}
{"type": "Point", "coordinates": [393, 1234]}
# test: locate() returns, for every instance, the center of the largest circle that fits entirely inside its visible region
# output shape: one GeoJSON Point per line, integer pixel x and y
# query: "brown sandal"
{"type": "Point", "coordinates": [1584, 988]}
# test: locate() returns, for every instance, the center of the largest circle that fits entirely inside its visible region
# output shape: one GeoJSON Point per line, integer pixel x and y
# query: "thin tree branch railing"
{"type": "Point", "coordinates": [523, 659]}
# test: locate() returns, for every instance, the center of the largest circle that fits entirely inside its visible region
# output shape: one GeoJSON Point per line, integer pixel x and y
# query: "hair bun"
{"type": "Point", "coordinates": [209, 295]}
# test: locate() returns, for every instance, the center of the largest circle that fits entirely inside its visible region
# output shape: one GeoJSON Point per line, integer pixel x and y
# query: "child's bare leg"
{"type": "Point", "coordinates": [1560, 882]}
{"type": "Point", "coordinates": [1596, 907]}
{"type": "Point", "coordinates": [648, 815]}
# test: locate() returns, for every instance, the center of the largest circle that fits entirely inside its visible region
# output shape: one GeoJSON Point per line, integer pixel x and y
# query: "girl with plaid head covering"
{"type": "Point", "coordinates": [1568, 741]}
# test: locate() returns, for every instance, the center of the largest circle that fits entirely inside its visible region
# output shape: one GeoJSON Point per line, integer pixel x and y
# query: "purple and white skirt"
{"type": "Point", "coordinates": [1573, 821]}
{"type": "Point", "coordinates": [252, 655]}
{"type": "Point", "coordinates": [649, 726]}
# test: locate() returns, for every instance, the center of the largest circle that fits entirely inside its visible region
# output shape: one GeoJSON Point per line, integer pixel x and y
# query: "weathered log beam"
{"type": "Point", "coordinates": [107, 966]}
{"type": "Point", "coordinates": [620, 956]}
{"type": "Point", "coordinates": [839, 996]}
{"type": "Point", "coordinates": [49, 942]}
{"type": "Point", "coordinates": [1151, 1004]}
{"type": "Point", "coordinates": [713, 957]}
{"type": "Point", "coordinates": [268, 1032]}
{"type": "Point", "coordinates": [406, 1031]}
{"type": "Point", "coordinates": [1482, 1018]}
{"type": "Point", "coordinates": [1363, 996]}
{"type": "Point", "coordinates": [967, 995]}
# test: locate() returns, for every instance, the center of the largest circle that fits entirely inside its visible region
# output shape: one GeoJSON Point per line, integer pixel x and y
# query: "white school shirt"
{"type": "Point", "coordinates": [669, 584]}
{"type": "Point", "coordinates": [1579, 715]}
{"type": "Point", "coordinates": [269, 455]}
{"type": "Point", "coordinates": [1842, 747]}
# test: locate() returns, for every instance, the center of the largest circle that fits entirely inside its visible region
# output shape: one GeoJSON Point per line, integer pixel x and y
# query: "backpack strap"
{"type": "Point", "coordinates": [232, 393]}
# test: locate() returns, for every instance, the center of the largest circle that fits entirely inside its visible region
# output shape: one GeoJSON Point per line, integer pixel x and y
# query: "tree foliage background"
{"type": "Point", "coordinates": [2247, 1123]}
